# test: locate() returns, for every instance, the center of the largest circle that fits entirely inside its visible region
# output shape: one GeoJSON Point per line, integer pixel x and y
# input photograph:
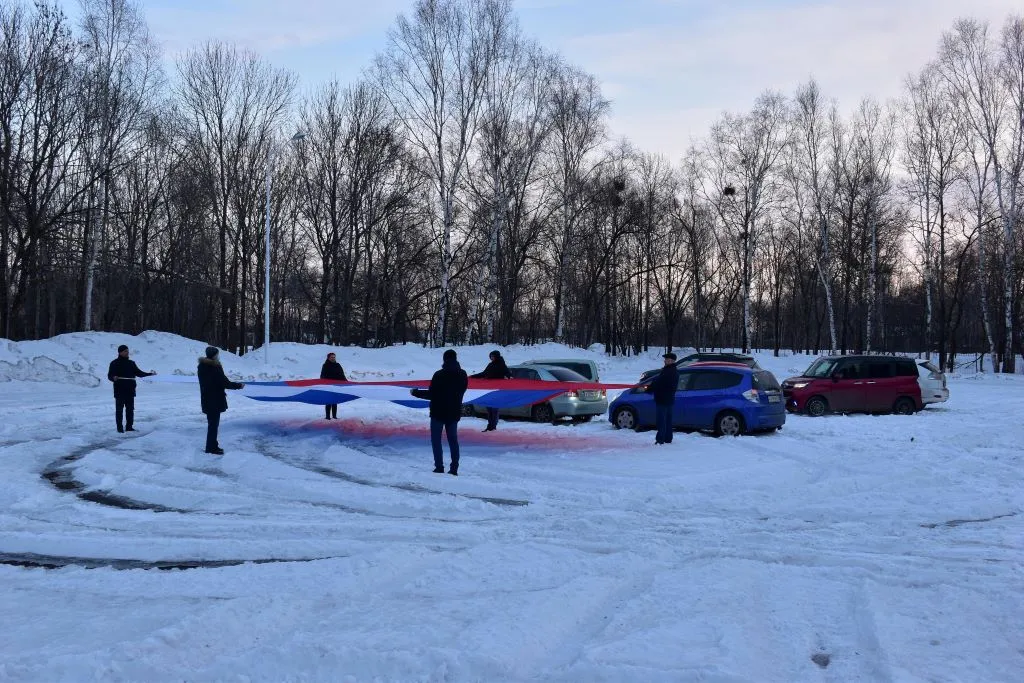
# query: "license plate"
{"type": "Point", "coordinates": [590, 395]}
{"type": "Point", "coordinates": [774, 399]}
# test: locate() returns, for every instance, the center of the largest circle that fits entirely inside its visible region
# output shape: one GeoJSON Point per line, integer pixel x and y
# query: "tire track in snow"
{"type": "Point", "coordinates": [264, 449]}
{"type": "Point", "coordinates": [34, 561]}
{"type": "Point", "coordinates": [60, 474]}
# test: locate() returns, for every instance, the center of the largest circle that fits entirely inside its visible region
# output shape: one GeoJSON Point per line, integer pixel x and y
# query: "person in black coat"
{"type": "Point", "coordinates": [122, 373]}
{"type": "Point", "coordinates": [212, 394]}
{"type": "Point", "coordinates": [664, 389]}
{"type": "Point", "coordinates": [496, 369]}
{"type": "Point", "coordinates": [447, 387]}
{"type": "Point", "coordinates": [332, 370]}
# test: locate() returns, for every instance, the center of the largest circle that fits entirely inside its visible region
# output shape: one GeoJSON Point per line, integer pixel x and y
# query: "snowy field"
{"type": "Point", "coordinates": [860, 548]}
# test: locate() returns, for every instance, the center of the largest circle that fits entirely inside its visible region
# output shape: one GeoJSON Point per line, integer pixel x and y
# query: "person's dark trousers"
{"type": "Point", "coordinates": [492, 419]}
{"type": "Point", "coordinates": [125, 407]}
{"type": "Point", "coordinates": [331, 411]}
{"type": "Point", "coordinates": [451, 431]}
{"type": "Point", "coordinates": [212, 425]}
{"type": "Point", "coordinates": [663, 418]}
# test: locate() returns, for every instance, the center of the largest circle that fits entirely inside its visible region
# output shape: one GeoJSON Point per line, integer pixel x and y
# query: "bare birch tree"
{"type": "Point", "coordinates": [745, 152]}
{"type": "Point", "coordinates": [934, 139]}
{"type": "Point", "coordinates": [577, 113]}
{"type": "Point", "coordinates": [433, 73]}
{"type": "Point", "coordinates": [811, 142]}
{"type": "Point", "coordinates": [988, 80]}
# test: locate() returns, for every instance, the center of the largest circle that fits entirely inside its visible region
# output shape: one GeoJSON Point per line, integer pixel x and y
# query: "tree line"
{"type": "Point", "coordinates": [469, 189]}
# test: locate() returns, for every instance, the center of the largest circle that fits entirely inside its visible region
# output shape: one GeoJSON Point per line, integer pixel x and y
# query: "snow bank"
{"type": "Point", "coordinates": [81, 359]}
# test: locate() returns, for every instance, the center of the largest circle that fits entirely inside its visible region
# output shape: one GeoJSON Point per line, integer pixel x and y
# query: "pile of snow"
{"type": "Point", "coordinates": [81, 359]}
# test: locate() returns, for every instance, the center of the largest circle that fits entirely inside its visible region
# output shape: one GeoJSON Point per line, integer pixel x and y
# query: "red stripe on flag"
{"type": "Point", "coordinates": [481, 384]}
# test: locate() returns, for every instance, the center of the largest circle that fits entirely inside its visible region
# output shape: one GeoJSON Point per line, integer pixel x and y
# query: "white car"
{"type": "Point", "coordinates": [932, 382]}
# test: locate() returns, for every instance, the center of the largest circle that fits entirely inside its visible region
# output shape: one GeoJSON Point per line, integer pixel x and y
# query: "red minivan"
{"type": "Point", "coordinates": [855, 384]}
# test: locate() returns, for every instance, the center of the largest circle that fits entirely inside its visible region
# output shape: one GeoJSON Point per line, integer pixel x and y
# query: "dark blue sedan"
{"type": "Point", "coordinates": [726, 398]}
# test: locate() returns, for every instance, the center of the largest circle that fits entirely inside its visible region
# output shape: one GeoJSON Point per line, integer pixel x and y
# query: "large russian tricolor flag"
{"type": "Point", "coordinates": [486, 393]}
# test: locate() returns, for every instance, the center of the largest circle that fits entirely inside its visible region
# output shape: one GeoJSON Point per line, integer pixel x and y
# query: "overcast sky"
{"type": "Point", "coordinates": [670, 67]}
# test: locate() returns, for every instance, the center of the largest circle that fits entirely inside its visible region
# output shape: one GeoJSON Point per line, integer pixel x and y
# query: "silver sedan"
{"type": "Point", "coordinates": [581, 406]}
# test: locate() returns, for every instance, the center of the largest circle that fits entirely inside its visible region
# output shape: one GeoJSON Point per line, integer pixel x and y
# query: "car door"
{"type": "Point", "coordinates": [846, 393]}
{"type": "Point", "coordinates": [881, 386]}
{"type": "Point", "coordinates": [705, 396]}
{"type": "Point", "coordinates": [521, 373]}
{"type": "Point", "coordinates": [682, 415]}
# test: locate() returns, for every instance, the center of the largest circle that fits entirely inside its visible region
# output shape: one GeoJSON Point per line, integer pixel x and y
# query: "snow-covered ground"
{"type": "Point", "coordinates": [860, 548]}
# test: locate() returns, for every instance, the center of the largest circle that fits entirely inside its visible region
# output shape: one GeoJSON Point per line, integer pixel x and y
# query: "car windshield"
{"type": "Point", "coordinates": [564, 375]}
{"type": "Point", "coordinates": [822, 367]}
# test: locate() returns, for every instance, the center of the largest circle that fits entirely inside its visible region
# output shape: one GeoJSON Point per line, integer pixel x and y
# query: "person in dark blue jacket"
{"type": "Point", "coordinates": [212, 395]}
{"type": "Point", "coordinates": [663, 388]}
{"type": "Point", "coordinates": [447, 387]}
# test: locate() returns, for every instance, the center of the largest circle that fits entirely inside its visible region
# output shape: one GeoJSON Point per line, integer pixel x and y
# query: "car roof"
{"type": "Point", "coordinates": [733, 354]}
{"type": "Point", "coordinates": [542, 366]}
{"type": "Point", "coordinates": [867, 356]}
{"type": "Point", "coordinates": [720, 364]}
{"type": "Point", "coordinates": [544, 361]}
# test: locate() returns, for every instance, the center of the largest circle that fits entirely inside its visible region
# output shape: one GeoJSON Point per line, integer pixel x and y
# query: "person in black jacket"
{"type": "Point", "coordinates": [664, 389]}
{"type": "Point", "coordinates": [122, 373]}
{"type": "Point", "coordinates": [496, 369]}
{"type": "Point", "coordinates": [332, 370]}
{"type": "Point", "coordinates": [214, 398]}
{"type": "Point", "coordinates": [447, 387]}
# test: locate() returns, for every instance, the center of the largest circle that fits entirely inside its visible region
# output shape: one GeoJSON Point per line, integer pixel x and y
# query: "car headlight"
{"type": "Point", "coordinates": [800, 385]}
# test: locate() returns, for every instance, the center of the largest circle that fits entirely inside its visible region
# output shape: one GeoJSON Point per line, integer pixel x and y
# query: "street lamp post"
{"type": "Point", "coordinates": [271, 150]}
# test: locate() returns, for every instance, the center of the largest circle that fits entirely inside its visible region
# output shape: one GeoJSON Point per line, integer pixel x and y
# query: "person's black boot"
{"type": "Point", "coordinates": [120, 429]}
{"type": "Point", "coordinates": [438, 470]}
{"type": "Point", "coordinates": [454, 473]}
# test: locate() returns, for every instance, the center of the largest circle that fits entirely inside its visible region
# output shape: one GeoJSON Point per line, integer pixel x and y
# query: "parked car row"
{"type": "Point", "coordinates": [730, 394]}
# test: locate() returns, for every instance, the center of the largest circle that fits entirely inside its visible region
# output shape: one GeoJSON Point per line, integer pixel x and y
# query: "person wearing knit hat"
{"type": "Point", "coordinates": [213, 397]}
{"type": "Point", "coordinates": [122, 373]}
{"type": "Point", "coordinates": [332, 370]}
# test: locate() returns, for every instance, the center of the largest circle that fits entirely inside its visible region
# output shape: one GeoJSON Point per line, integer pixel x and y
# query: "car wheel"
{"type": "Point", "coordinates": [542, 413]}
{"type": "Point", "coordinates": [729, 423]}
{"type": "Point", "coordinates": [626, 418]}
{"type": "Point", "coordinates": [816, 407]}
{"type": "Point", "coordinates": [904, 406]}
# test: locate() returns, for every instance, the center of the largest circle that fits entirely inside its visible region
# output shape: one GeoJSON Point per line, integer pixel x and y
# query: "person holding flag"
{"type": "Point", "coordinates": [122, 373]}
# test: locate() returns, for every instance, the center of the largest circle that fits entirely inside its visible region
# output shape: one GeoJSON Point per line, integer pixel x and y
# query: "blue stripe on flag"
{"type": "Point", "coordinates": [413, 403]}
{"type": "Point", "coordinates": [311, 396]}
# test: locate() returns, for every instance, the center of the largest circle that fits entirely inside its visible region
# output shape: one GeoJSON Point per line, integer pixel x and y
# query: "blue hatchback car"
{"type": "Point", "coordinates": [726, 398]}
